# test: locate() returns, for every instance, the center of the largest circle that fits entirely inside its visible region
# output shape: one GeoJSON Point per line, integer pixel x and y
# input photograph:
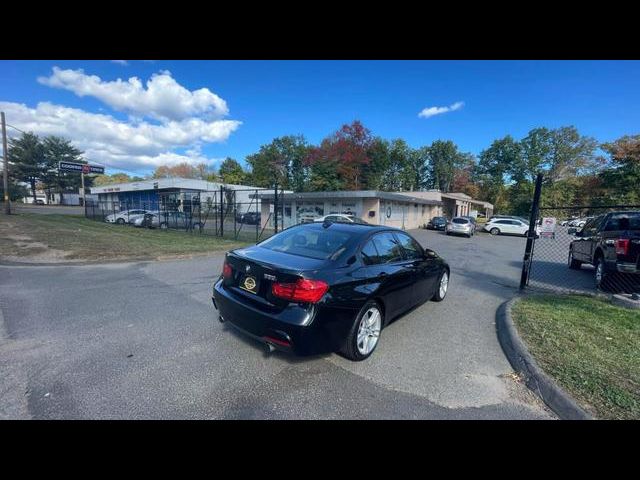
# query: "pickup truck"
{"type": "Point", "coordinates": [611, 243]}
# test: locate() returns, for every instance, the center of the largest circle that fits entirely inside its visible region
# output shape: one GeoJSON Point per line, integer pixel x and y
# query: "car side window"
{"type": "Point", "coordinates": [370, 254]}
{"type": "Point", "coordinates": [412, 250]}
{"type": "Point", "coordinates": [589, 227]}
{"type": "Point", "coordinates": [389, 249]}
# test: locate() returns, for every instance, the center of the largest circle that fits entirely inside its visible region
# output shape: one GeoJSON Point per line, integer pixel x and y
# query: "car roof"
{"type": "Point", "coordinates": [347, 227]}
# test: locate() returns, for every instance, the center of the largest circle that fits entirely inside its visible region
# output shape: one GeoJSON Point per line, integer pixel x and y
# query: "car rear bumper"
{"type": "Point", "coordinates": [308, 336]}
{"type": "Point", "coordinates": [624, 267]}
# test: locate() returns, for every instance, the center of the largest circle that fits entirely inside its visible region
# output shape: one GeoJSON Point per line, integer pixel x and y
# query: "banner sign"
{"type": "Point", "coordinates": [79, 167]}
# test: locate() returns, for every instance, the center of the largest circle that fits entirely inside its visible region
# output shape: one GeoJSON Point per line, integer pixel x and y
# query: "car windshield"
{"type": "Point", "coordinates": [313, 243]}
{"type": "Point", "coordinates": [460, 220]}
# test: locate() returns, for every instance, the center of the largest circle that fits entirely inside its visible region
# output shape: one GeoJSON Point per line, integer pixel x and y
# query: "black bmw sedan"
{"type": "Point", "coordinates": [326, 287]}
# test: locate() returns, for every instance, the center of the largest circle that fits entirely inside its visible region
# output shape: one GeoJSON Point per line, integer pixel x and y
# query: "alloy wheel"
{"type": "Point", "coordinates": [369, 331]}
{"type": "Point", "coordinates": [444, 284]}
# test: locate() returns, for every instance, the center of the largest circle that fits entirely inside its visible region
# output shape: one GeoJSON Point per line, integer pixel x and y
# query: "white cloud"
{"type": "Point", "coordinates": [432, 111]}
{"type": "Point", "coordinates": [162, 98]}
{"type": "Point", "coordinates": [120, 144]}
{"type": "Point", "coordinates": [121, 62]}
{"type": "Point", "coordinates": [181, 120]}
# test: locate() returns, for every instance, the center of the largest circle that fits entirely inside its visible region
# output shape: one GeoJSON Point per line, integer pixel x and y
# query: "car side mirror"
{"type": "Point", "coordinates": [428, 253]}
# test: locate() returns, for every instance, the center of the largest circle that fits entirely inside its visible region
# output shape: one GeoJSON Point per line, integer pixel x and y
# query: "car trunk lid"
{"type": "Point", "coordinates": [255, 269]}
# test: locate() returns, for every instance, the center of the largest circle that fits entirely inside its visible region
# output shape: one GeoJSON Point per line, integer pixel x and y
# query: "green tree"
{"type": "Point", "coordinates": [101, 180]}
{"type": "Point", "coordinates": [27, 158]}
{"type": "Point", "coordinates": [231, 171]}
{"type": "Point", "coordinates": [536, 154]}
{"type": "Point", "coordinates": [444, 159]}
{"type": "Point", "coordinates": [58, 149]}
{"type": "Point", "coordinates": [376, 175]}
{"type": "Point", "coordinates": [495, 170]}
{"type": "Point", "coordinates": [285, 159]}
{"type": "Point", "coordinates": [620, 182]}
{"type": "Point", "coordinates": [571, 154]}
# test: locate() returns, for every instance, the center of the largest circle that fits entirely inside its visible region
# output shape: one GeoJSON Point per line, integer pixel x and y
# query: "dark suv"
{"type": "Point", "coordinates": [611, 243]}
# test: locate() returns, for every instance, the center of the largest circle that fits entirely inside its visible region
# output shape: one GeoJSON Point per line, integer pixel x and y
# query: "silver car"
{"type": "Point", "coordinates": [460, 226]}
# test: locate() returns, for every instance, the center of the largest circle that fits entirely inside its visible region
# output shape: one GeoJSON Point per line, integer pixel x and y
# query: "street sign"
{"type": "Point", "coordinates": [79, 167]}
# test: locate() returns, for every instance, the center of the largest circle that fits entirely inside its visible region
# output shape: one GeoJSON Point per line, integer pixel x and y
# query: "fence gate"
{"type": "Point", "coordinates": [564, 240]}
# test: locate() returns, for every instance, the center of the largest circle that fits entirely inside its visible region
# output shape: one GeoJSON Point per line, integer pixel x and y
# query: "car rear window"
{"type": "Point", "coordinates": [624, 221]}
{"type": "Point", "coordinates": [460, 220]}
{"type": "Point", "coordinates": [319, 244]}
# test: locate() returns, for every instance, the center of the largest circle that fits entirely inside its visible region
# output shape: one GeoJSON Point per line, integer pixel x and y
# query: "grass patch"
{"type": "Point", "coordinates": [590, 347]}
{"type": "Point", "coordinates": [75, 237]}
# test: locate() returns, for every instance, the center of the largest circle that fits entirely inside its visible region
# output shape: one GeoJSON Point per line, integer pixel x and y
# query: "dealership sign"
{"type": "Point", "coordinates": [548, 227]}
{"type": "Point", "coordinates": [79, 167]}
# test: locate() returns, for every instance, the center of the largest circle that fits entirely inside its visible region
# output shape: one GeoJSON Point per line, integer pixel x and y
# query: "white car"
{"type": "Point", "coordinates": [124, 216]}
{"type": "Point", "coordinates": [138, 220]}
{"type": "Point", "coordinates": [340, 218]}
{"type": "Point", "coordinates": [509, 226]}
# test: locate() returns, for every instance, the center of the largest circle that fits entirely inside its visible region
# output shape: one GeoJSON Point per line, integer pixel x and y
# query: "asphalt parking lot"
{"type": "Point", "coordinates": [140, 340]}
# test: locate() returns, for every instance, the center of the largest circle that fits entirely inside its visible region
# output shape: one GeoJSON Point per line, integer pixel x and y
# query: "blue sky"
{"type": "Point", "coordinates": [267, 99]}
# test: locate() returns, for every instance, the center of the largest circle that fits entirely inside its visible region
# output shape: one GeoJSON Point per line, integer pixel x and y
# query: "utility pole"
{"type": "Point", "coordinates": [5, 171]}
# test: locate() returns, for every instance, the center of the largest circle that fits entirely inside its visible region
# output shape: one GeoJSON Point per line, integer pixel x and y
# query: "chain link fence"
{"type": "Point", "coordinates": [228, 213]}
{"type": "Point", "coordinates": [586, 248]}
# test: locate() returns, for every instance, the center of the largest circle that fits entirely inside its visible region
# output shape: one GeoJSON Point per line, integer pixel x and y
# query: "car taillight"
{"type": "Point", "coordinates": [303, 290]}
{"type": "Point", "coordinates": [622, 246]}
{"type": "Point", "coordinates": [227, 272]}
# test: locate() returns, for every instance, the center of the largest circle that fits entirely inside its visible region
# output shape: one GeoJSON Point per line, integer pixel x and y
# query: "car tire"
{"type": "Point", "coordinates": [572, 262]}
{"type": "Point", "coordinates": [601, 277]}
{"type": "Point", "coordinates": [440, 293]}
{"type": "Point", "coordinates": [494, 231]}
{"type": "Point", "coordinates": [357, 346]}
{"type": "Point", "coordinates": [120, 221]}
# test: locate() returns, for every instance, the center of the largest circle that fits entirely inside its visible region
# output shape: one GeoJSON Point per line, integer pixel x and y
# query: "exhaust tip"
{"type": "Point", "coordinates": [270, 348]}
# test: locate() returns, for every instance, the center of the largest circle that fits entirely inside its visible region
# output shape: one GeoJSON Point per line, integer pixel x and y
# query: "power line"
{"type": "Point", "coordinates": [16, 128]}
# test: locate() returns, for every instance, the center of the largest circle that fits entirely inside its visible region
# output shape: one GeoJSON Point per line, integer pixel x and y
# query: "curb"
{"type": "Point", "coordinates": [521, 360]}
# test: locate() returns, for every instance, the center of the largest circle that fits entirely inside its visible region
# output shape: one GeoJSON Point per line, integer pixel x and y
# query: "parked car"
{"type": "Point", "coordinates": [324, 287]}
{"type": "Point", "coordinates": [473, 222]}
{"type": "Point", "coordinates": [579, 222]}
{"type": "Point", "coordinates": [148, 220]}
{"type": "Point", "coordinates": [611, 243]}
{"type": "Point", "coordinates": [178, 220]}
{"type": "Point", "coordinates": [123, 216]}
{"type": "Point", "coordinates": [437, 223]}
{"type": "Point", "coordinates": [502, 217]}
{"type": "Point", "coordinates": [460, 226]}
{"type": "Point", "coordinates": [248, 218]}
{"type": "Point", "coordinates": [340, 218]}
{"type": "Point", "coordinates": [509, 226]}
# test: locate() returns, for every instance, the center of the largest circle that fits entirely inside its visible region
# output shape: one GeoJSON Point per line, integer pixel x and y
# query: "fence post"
{"type": "Point", "coordinates": [526, 262]}
{"type": "Point", "coordinates": [257, 212]}
{"type": "Point", "coordinates": [221, 211]}
{"type": "Point", "coordinates": [275, 205]}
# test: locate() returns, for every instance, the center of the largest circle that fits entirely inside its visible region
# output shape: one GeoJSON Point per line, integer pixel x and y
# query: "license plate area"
{"type": "Point", "coordinates": [249, 283]}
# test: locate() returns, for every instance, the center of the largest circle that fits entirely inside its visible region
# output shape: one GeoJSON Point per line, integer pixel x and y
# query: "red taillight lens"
{"type": "Point", "coordinates": [227, 272]}
{"type": "Point", "coordinates": [622, 246]}
{"type": "Point", "coordinates": [304, 290]}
